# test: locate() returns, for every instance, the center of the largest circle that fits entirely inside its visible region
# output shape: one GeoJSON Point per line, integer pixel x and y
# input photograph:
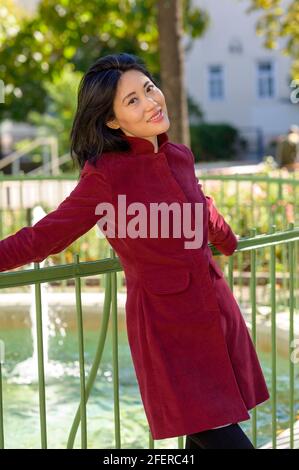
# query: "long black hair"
{"type": "Point", "coordinates": [90, 136]}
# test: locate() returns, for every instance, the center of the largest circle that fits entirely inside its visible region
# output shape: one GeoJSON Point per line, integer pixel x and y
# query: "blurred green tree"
{"type": "Point", "coordinates": [58, 117]}
{"type": "Point", "coordinates": [78, 32]}
{"type": "Point", "coordinates": [279, 24]}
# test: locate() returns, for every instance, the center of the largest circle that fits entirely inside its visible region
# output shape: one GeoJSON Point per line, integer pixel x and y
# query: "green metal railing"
{"type": "Point", "coordinates": [12, 218]}
{"type": "Point", "coordinates": [258, 200]}
{"type": "Point", "coordinates": [263, 200]}
{"type": "Point", "coordinates": [109, 267]}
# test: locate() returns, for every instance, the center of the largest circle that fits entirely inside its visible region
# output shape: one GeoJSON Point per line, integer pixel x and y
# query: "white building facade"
{"type": "Point", "coordinates": [235, 79]}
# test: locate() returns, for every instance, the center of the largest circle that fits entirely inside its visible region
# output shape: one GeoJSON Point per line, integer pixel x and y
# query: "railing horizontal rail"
{"type": "Point", "coordinates": [83, 269]}
{"type": "Point", "coordinates": [25, 177]}
{"type": "Point", "coordinates": [256, 178]}
{"type": "Point", "coordinates": [61, 272]}
{"type": "Point", "coordinates": [236, 177]}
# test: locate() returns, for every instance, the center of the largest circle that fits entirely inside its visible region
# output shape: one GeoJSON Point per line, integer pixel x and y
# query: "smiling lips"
{"type": "Point", "coordinates": [157, 116]}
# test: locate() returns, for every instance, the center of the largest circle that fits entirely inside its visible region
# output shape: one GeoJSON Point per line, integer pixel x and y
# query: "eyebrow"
{"type": "Point", "coordinates": [133, 92]}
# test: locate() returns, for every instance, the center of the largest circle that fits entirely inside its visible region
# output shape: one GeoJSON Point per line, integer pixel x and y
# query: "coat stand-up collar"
{"type": "Point", "coordinates": [142, 145]}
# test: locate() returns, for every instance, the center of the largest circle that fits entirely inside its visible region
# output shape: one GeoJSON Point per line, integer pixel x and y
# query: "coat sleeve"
{"type": "Point", "coordinates": [58, 229]}
{"type": "Point", "coordinates": [220, 233]}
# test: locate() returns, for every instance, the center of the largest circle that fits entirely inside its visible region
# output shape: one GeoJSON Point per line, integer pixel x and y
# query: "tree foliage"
{"type": "Point", "coordinates": [77, 32]}
{"type": "Point", "coordinates": [279, 23]}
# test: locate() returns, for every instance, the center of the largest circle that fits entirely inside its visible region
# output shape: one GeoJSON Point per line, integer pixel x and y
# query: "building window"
{"type": "Point", "coordinates": [216, 82]}
{"type": "Point", "coordinates": [265, 79]}
{"type": "Point", "coordinates": [235, 46]}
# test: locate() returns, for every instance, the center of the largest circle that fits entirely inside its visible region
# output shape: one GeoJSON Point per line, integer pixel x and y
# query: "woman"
{"type": "Point", "coordinates": [196, 366]}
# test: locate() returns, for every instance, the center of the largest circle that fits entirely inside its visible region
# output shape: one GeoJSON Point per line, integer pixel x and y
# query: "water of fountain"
{"type": "Point", "coordinates": [26, 372]}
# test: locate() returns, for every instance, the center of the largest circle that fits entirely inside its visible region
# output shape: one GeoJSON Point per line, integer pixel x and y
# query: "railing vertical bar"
{"type": "Point", "coordinates": [81, 358]}
{"type": "Point", "coordinates": [181, 442]}
{"type": "Point", "coordinates": [280, 205]}
{"type": "Point", "coordinates": [237, 199]}
{"type": "Point", "coordinates": [273, 336]}
{"type": "Point", "coordinates": [41, 366]}
{"type": "Point", "coordinates": [22, 210]}
{"type": "Point", "coordinates": [1, 407]}
{"type": "Point", "coordinates": [252, 200]}
{"type": "Point", "coordinates": [97, 359]}
{"type": "Point", "coordinates": [296, 258]}
{"type": "Point", "coordinates": [295, 199]}
{"type": "Point", "coordinates": [239, 255]}
{"type": "Point", "coordinates": [241, 277]}
{"type": "Point", "coordinates": [279, 292]}
{"type": "Point", "coordinates": [231, 273]}
{"type": "Point", "coordinates": [239, 263]}
{"type": "Point", "coordinates": [115, 356]}
{"type": "Point", "coordinates": [269, 203]}
{"type": "Point", "coordinates": [151, 442]}
{"type": "Point", "coordinates": [291, 337]}
{"type": "Point", "coordinates": [253, 324]}
{"type": "Point", "coordinates": [284, 246]}
{"type": "Point", "coordinates": [293, 196]}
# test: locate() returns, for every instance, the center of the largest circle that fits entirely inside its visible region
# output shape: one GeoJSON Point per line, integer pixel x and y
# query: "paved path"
{"type": "Point", "coordinates": [283, 439]}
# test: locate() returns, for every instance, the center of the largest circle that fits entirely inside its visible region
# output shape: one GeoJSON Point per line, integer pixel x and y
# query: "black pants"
{"type": "Point", "coordinates": [228, 437]}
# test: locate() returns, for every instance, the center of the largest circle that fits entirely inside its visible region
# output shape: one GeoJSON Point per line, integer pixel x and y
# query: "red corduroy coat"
{"type": "Point", "coordinates": [195, 363]}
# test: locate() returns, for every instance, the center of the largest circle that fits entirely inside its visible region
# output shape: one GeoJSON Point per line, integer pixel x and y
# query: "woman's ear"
{"type": "Point", "coordinates": [112, 124]}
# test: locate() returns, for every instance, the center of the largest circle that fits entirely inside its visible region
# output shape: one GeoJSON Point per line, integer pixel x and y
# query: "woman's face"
{"type": "Point", "coordinates": [133, 112]}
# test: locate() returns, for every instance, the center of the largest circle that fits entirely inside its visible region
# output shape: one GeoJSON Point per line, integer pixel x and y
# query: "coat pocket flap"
{"type": "Point", "coordinates": [168, 281]}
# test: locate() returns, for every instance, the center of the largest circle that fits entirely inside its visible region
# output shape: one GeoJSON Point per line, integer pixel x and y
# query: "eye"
{"type": "Point", "coordinates": [131, 101]}
{"type": "Point", "coordinates": [148, 89]}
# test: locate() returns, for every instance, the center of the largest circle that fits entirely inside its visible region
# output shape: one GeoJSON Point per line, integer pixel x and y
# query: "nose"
{"type": "Point", "coordinates": [150, 103]}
